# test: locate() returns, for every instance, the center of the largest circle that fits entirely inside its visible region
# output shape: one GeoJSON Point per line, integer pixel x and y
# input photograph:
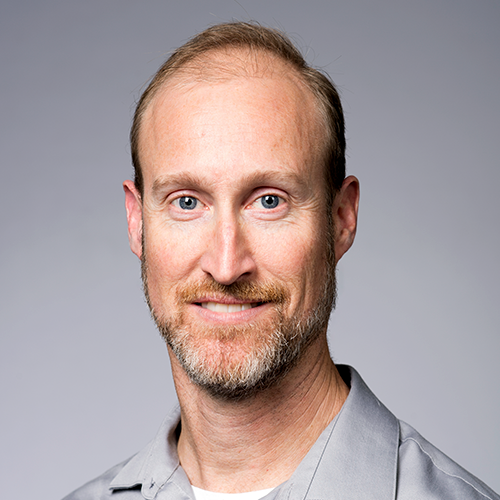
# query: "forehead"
{"type": "Point", "coordinates": [250, 108]}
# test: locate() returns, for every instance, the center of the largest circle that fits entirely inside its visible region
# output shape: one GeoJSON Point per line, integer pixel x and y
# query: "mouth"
{"type": "Point", "coordinates": [228, 308]}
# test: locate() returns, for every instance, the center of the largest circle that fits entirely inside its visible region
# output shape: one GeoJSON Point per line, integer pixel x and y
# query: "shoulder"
{"type": "Point", "coordinates": [98, 488]}
{"type": "Point", "coordinates": [426, 472]}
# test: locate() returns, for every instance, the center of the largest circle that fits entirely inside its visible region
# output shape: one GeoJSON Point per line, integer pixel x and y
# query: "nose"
{"type": "Point", "coordinates": [228, 255]}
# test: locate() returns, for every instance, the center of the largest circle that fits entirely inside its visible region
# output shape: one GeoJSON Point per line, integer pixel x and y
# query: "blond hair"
{"type": "Point", "coordinates": [258, 39]}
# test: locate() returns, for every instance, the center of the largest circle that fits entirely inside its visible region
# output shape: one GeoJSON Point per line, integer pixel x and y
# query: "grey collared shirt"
{"type": "Point", "coordinates": [364, 453]}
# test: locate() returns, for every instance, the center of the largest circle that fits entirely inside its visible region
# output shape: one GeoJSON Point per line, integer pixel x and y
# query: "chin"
{"type": "Point", "coordinates": [237, 362]}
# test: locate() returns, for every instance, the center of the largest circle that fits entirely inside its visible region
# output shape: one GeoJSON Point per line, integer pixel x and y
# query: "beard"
{"type": "Point", "coordinates": [235, 362]}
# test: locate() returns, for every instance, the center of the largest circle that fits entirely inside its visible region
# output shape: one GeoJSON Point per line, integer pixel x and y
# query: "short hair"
{"type": "Point", "coordinates": [240, 35]}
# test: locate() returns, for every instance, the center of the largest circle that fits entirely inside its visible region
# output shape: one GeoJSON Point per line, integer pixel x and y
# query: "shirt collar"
{"type": "Point", "coordinates": [354, 458]}
{"type": "Point", "coordinates": [156, 464]}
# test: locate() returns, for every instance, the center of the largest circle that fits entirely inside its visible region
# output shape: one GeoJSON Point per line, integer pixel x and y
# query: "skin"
{"type": "Point", "coordinates": [227, 144]}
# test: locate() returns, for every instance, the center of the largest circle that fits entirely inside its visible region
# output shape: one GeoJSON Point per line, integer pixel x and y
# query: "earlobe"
{"type": "Point", "coordinates": [133, 205]}
{"type": "Point", "coordinates": [345, 215]}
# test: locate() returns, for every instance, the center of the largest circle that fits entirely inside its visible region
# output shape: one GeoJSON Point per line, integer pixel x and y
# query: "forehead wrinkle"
{"type": "Point", "coordinates": [290, 120]}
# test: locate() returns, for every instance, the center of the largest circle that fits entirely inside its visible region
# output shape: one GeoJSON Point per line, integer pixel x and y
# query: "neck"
{"type": "Point", "coordinates": [238, 446]}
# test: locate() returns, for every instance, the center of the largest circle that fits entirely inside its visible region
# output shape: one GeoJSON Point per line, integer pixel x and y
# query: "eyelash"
{"type": "Point", "coordinates": [177, 202]}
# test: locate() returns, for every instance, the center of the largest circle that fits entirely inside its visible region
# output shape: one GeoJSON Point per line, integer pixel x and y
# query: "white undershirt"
{"type": "Point", "coordinates": [200, 494]}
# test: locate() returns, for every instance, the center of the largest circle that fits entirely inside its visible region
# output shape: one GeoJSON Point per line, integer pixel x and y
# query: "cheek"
{"type": "Point", "coordinates": [295, 255]}
{"type": "Point", "coordinates": [170, 255]}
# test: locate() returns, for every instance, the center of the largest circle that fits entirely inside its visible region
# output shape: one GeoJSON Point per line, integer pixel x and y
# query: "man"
{"type": "Point", "coordinates": [239, 211]}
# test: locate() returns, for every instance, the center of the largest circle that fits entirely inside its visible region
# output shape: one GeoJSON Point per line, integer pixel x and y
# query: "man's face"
{"type": "Point", "coordinates": [236, 259]}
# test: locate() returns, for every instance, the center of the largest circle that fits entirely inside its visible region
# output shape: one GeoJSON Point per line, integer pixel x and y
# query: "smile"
{"type": "Point", "coordinates": [227, 308]}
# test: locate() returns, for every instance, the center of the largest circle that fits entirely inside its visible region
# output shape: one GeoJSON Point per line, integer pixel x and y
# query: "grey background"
{"type": "Point", "coordinates": [85, 377]}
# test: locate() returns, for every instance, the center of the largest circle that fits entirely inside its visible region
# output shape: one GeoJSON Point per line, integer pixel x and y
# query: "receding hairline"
{"type": "Point", "coordinates": [254, 40]}
{"type": "Point", "coordinates": [227, 62]}
{"type": "Point", "coordinates": [224, 64]}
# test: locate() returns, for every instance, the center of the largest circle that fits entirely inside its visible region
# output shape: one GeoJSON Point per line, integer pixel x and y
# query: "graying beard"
{"type": "Point", "coordinates": [260, 373]}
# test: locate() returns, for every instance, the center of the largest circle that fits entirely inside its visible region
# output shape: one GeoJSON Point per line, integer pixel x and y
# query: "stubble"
{"type": "Point", "coordinates": [234, 362]}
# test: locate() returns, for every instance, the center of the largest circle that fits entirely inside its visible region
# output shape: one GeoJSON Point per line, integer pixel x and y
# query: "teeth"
{"type": "Point", "coordinates": [225, 308]}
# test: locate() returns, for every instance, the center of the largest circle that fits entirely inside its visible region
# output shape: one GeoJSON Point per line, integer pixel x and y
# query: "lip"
{"type": "Point", "coordinates": [224, 310]}
{"type": "Point", "coordinates": [220, 307]}
{"type": "Point", "coordinates": [222, 299]}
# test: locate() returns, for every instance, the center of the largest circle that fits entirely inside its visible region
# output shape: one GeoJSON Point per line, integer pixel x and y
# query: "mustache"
{"type": "Point", "coordinates": [244, 290]}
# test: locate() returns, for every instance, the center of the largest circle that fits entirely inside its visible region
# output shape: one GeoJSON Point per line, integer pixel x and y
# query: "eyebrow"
{"type": "Point", "coordinates": [178, 180]}
{"type": "Point", "coordinates": [195, 181]}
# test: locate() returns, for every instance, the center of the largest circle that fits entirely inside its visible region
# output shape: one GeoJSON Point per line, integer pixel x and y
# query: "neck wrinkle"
{"type": "Point", "coordinates": [254, 444]}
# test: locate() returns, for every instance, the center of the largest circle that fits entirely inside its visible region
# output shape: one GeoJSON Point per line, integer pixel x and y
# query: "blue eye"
{"type": "Point", "coordinates": [188, 203]}
{"type": "Point", "coordinates": [270, 201]}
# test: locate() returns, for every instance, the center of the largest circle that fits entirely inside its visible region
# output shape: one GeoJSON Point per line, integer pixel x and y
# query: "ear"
{"type": "Point", "coordinates": [345, 215]}
{"type": "Point", "coordinates": [133, 205]}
